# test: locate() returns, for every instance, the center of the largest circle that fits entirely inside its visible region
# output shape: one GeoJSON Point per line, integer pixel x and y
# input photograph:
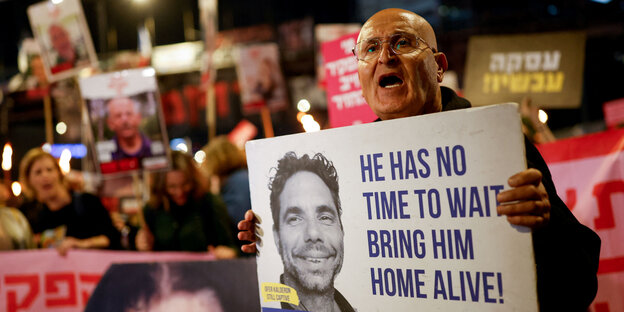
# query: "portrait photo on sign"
{"type": "Point", "coordinates": [189, 286]}
{"type": "Point", "coordinates": [359, 219]}
{"type": "Point", "coordinates": [261, 79]}
{"type": "Point", "coordinates": [63, 36]}
{"type": "Point", "coordinates": [126, 120]}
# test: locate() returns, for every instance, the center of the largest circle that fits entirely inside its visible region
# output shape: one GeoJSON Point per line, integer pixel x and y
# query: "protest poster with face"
{"type": "Point", "coordinates": [189, 286]}
{"type": "Point", "coordinates": [345, 104]}
{"type": "Point", "coordinates": [261, 80]}
{"type": "Point", "coordinates": [126, 120]}
{"type": "Point", "coordinates": [392, 215]}
{"type": "Point", "coordinates": [62, 33]}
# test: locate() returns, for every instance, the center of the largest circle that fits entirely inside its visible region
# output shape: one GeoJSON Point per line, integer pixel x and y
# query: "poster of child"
{"type": "Point", "coordinates": [126, 120]}
{"type": "Point", "coordinates": [62, 33]}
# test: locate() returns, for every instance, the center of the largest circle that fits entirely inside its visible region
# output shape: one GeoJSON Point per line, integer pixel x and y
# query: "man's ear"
{"type": "Point", "coordinates": [442, 64]}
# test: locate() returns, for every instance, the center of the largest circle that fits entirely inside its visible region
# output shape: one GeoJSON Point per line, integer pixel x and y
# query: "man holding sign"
{"type": "Point", "coordinates": [308, 230]}
{"type": "Point", "coordinates": [400, 70]}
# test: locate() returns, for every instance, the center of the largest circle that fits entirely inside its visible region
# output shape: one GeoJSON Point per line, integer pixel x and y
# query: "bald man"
{"type": "Point", "coordinates": [124, 118]}
{"type": "Point", "coordinates": [400, 70]}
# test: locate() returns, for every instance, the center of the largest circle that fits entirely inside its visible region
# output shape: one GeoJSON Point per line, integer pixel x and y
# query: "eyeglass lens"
{"type": "Point", "coordinates": [399, 43]}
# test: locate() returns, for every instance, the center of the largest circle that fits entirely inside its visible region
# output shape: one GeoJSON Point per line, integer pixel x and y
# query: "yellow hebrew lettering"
{"type": "Point", "coordinates": [519, 83]}
{"type": "Point", "coordinates": [279, 292]}
{"type": "Point", "coordinates": [554, 81]}
{"type": "Point", "coordinates": [487, 79]}
{"type": "Point", "coordinates": [503, 80]}
{"type": "Point", "coordinates": [497, 81]}
{"type": "Point", "coordinates": [537, 84]}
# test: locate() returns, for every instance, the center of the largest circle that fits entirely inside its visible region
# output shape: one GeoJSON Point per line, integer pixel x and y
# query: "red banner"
{"type": "Point", "coordinates": [41, 280]}
{"type": "Point", "coordinates": [345, 104]}
{"type": "Point", "coordinates": [589, 175]}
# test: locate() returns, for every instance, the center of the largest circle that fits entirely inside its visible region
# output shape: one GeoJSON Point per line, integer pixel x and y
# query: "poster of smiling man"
{"type": "Point", "coordinates": [62, 33]}
{"type": "Point", "coordinates": [361, 219]}
{"type": "Point", "coordinates": [126, 120]}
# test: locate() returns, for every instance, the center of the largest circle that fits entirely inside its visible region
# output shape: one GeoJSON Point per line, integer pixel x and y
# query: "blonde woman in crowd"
{"type": "Point", "coordinates": [60, 217]}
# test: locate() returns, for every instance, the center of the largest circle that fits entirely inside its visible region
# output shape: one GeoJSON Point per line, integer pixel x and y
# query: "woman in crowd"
{"type": "Point", "coordinates": [226, 167]}
{"type": "Point", "coordinates": [182, 216]}
{"type": "Point", "coordinates": [58, 216]}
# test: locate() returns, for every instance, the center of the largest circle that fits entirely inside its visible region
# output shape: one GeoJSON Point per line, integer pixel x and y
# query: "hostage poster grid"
{"type": "Point", "coordinates": [418, 213]}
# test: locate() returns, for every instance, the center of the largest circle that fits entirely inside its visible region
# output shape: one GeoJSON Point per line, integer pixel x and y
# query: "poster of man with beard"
{"type": "Point", "coordinates": [360, 218]}
{"type": "Point", "coordinates": [308, 231]}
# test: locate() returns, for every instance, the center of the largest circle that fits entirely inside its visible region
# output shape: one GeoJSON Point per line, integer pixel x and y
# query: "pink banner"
{"type": "Point", "coordinates": [589, 175]}
{"type": "Point", "coordinates": [41, 280]}
{"type": "Point", "coordinates": [345, 104]}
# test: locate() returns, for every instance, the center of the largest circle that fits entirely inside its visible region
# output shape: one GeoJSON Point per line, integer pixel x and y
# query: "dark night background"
{"type": "Point", "coordinates": [454, 21]}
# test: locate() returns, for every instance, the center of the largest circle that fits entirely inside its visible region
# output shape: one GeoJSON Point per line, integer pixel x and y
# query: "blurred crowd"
{"type": "Point", "coordinates": [191, 207]}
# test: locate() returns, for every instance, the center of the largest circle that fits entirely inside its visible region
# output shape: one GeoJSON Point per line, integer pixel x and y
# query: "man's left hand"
{"type": "Point", "coordinates": [526, 203]}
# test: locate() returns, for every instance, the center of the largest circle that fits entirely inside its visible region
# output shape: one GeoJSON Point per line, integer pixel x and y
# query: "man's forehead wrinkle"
{"type": "Point", "coordinates": [390, 21]}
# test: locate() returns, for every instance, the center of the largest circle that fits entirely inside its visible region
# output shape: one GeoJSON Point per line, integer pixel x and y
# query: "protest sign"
{"type": "Point", "coordinates": [43, 280]}
{"type": "Point", "coordinates": [260, 77]}
{"type": "Point", "coordinates": [546, 67]}
{"type": "Point", "coordinates": [587, 172]}
{"type": "Point", "coordinates": [345, 104]}
{"type": "Point", "coordinates": [63, 36]}
{"type": "Point", "coordinates": [126, 120]}
{"type": "Point", "coordinates": [188, 286]}
{"type": "Point", "coordinates": [398, 214]}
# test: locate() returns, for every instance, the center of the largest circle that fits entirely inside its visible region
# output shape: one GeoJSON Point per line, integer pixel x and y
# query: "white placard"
{"type": "Point", "coordinates": [452, 166]}
{"type": "Point", "coordinates": [126, 120]}
{"type": "Point", "coordinates": [63, 36]}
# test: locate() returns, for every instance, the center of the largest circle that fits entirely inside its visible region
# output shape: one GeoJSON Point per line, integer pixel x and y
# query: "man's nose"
{"type": "Point", "coordinates": [386, 54]}
{"type": "Point", "coordinates": [312, 231]}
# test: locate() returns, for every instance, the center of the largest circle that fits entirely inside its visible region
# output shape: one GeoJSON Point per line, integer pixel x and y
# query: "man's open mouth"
{"type": "Point", "coordinates": [390, 81]}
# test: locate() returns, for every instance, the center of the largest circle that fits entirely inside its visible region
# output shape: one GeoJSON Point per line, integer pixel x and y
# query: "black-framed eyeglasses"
{"type": "Point", "coordinates": [400, 43]}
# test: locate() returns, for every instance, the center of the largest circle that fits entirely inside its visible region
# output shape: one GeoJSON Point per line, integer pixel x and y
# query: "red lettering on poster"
{"type": "Point", "coordinates": [52, 282]}
{"type": "Point", "coordinates": [221, 98]}
{"type": "Point", "coordinates": [118, 83]}
{"type": "Point", "coordinates": [128, 164]}
{"type": "Point", "coordinates": [32, 281]}
{"type": "Point", "coordinates": [173, 108]}
{"type": "Point", "coordinates": [570, 198]}
{"type": "Point", "coordinates": [108, 167]}
{"type": "Point", "coordinates": [86, 279]}
{"type": "Point", "coordinates": [197, 101]}
{"type": "Point", "coordinates": [601, 307]}
{"type": "Point", "coordinates": [603, 192]}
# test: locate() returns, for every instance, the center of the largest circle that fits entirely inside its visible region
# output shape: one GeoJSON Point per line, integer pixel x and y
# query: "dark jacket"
{"type": "Point", "coordinates": [341, 301]}
{"type": "Point", "coordinates": [192, 227]}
